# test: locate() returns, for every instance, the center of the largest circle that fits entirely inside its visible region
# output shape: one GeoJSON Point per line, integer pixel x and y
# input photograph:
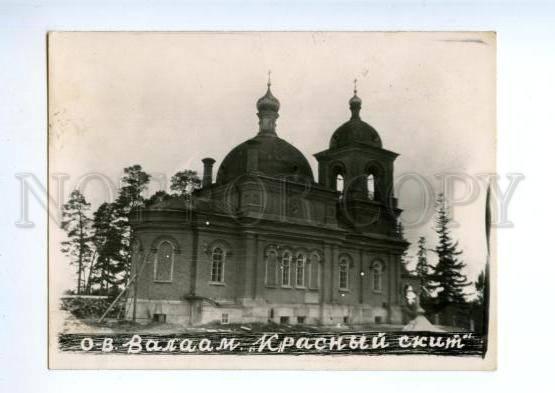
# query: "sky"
{"type": "Point", "coordinates": [167, 100]}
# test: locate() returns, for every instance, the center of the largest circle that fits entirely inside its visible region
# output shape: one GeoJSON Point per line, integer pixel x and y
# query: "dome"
{"type": "Point", "coordinates": [276, 158]}
{"type": "Point", "coordinates": [355, 101]}
{"type": "Point", "coordinates": [268, 103]}
{"type": "Point", "coordinates": [269, 154]}
{"type": "Point", "coordinates": [355, 131]}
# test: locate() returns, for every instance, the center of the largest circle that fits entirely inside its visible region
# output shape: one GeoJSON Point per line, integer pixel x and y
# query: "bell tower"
{"type": "Point", "coordinates": [360, 170]}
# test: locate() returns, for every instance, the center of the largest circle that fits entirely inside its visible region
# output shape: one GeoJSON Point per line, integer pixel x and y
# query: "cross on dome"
{"type": "Point", "coordinates": [355, 102]}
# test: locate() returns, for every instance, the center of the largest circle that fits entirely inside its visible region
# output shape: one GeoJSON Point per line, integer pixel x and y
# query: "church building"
{"type": "Point", "coordinates": [266, 242]}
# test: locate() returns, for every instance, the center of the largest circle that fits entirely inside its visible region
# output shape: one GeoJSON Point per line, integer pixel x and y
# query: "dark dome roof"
{"type": "Point", "coordinates": [355, 131]}
{"type": "Point", "coordinates": [276, 158]}
{"type": "Point", "coordinates": [268, 102]}
{"type": "Point", "coordinates": [355, 101]}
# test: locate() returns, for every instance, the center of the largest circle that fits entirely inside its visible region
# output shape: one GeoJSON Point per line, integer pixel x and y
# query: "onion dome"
{"type": "Point", "coordinates": [266, 153]}
{"type": "Point", "coordinates": [274, 157]}
{"type": "Point", "coordinates": [355, 103]}
{"type": "Point", "coordinates": [268, 107]}
{"type": "Point", "coordinates": [355, 131]}
{"type": "Point", "coordinates": [268, 103]}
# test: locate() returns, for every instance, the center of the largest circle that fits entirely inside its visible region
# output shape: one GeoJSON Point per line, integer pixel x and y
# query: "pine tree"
{"type": "Point", "coordinates": [109, 241]}
{"type": "Point", "coordinates": [130, 201]}
{"type": "Point", "coordinates": [448, 279]}
{"type": "Point", "coordinates": [77, 224]}
{"type": "Point", "coordinates": [133, 184]}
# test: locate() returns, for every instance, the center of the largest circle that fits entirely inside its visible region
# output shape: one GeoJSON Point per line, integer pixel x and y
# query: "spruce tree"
{"type": "Point", "coordinates": [480, 286]}
{"type": "Point", "coordinates": [77, 224]}
{"type": "Point", "coordinates": [448, 279]}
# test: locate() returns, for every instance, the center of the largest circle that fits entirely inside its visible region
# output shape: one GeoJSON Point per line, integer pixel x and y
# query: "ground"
{"type": "Point", "coordinates": [73, 324]}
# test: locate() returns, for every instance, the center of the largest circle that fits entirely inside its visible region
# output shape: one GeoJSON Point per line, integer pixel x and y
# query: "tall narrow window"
{"type": "Point", "coordinates": [271, 267]}
{"type": "Point", "coordinates": [314, 271]}
{"type": "Point", "coordinates": [370, 184]}
{"type": "Point", "coordinates": [344, 274]}
{"type": "Point", "coordinates": [217, 271]}
{"type": "Point", "coordinates": [286, 269]}
{"type": "Point", "coordinates": [300, 269]}
{"type": "Point", "coordinates": [163, 266]}
{"type": "Point", "coordinates": [377, 279]}
{"type": "Point", "coordinates": [339, 183]}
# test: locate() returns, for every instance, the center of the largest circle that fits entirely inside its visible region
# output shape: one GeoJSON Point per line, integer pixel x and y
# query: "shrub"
{"type": "Point", "coordinates": [85, 308]}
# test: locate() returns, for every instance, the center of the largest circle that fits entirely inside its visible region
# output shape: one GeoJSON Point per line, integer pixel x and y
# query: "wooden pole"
{"type": "Point", "coordinates": [135, 296]}
{"type": "Point", "coordinates": [115, 300]}
{"type": "Point", "coordinates": [131, 281]}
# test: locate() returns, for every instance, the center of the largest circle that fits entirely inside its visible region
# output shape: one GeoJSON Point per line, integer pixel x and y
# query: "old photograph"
{"type": "Point", "coordinates": [281, 200]}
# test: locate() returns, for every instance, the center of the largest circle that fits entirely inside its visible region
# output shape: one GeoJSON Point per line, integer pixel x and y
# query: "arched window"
{"type": "Point", "coordinates": [370, 186]}
{"type": "Point", "coordinates": [339, 183]}
{"type": "Point", "coordinates": [300, 270]}
{"type": "Point", "coordinates": [377, 276]}
{"type": "Point", "coordinates": [286, 269]}
{"type": "Point", "coordinates": [218, 261]}
{"type": "Point", "coordinates": [343, 273]}
{"type": "Point", "coordinates": [375, 176]}
{"type": "Point", "coordinates": [163, 264]}
{"type": "Point", "coordinates": [314, 271]}
{"type": "Point", "coordinates": [271, 267]}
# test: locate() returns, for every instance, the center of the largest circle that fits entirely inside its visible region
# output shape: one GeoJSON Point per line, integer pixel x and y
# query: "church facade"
{"type": "Point", "coordinates": [265, 242]}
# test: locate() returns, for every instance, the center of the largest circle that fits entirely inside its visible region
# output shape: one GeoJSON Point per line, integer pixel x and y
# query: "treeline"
{"type": "Point", "coordinates": [443, 288]}
{"type": "Point", "coordinates": [99, 242]}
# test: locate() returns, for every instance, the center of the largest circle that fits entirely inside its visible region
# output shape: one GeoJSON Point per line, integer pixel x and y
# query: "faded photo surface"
{"type": "Point", "coordinates": [314, 200]}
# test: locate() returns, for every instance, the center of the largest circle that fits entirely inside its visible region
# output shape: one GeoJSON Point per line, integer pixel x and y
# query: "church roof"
{"type": "Point", "coordinates": [276, 158]}
{"type": "Point", "coordinates": [355, 131]}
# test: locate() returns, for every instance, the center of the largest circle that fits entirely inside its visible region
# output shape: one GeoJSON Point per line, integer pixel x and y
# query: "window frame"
{"type": "Point", "coordinates": [221, 262]}
{"type": "Point", "coordinates": [336, 169]}
{"type": "Point", "coordinates": [282, 270]}
{"type": "Point", "coordinates": [371, 194]}
{"type": "Point", "coordinates": [314, 261]}
{"type": "Point", "coordinates": [339, 179]}
{"type": "Point", "coordinates": [378, 173]}
{"type": "Point", "coordinates": [377, 273]}
{"type": "Point", "coordinates": [172, 260]}
{"type": "Point", "coordinates": [276, 264]}
{"type": "Point", "coordinates": [225, 320]}
{"type": "Point", "coordinates": [344, 263]}
{"type": "Point", "coordinates": [300, 257]}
